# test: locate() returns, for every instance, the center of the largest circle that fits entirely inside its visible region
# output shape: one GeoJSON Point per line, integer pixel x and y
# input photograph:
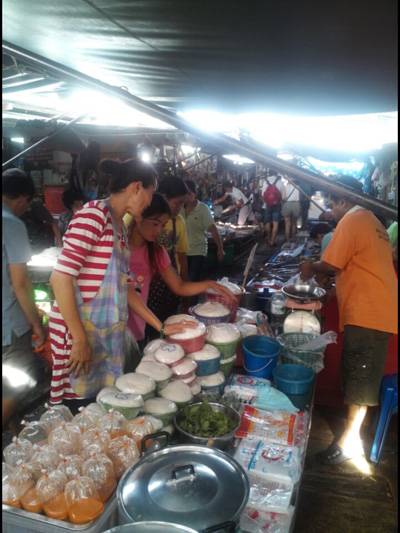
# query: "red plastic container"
{"type": "Point", "coordinates": [231, 304]}
{"type": "Point", "coordinates": [190, 345]}
{"type": "Point", "coordinates": [52, 199]}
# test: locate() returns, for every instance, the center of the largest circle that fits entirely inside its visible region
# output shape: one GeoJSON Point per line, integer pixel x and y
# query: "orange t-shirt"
{"type": "Point", "coordinates": [366, 286]}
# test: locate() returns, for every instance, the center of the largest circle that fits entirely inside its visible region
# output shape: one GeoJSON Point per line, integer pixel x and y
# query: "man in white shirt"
{"type": "Point", "coordinates": [242, 203]}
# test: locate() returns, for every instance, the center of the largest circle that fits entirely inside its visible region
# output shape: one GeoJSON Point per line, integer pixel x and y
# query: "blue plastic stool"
{"type": "Point", "coordinates": [389, 404]}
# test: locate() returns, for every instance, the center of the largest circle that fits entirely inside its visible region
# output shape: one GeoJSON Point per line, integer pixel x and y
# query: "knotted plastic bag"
{"type": "Point", "coordinates": [124, 453]}
{"type": "Point", "coordinates": [19, 449]}
{"type": "Point", "coordinates": [94, 440]}
{"type": "Point", "coordinates": [138, 428]}
{"type": "Point", "coordinates": [66, 438]}
{"type": "Point", "coordinates": [9, 495]}
{"type": "Point", "coordinates": [23, 478]}
{"type": "Point", "coordinates": [50, 492]}
{"type": "Point", "coordinates": [114, 422]}
{"type": "Point", "coordinates": [83, 500]}
{"type": "Point", "coordinates": [35, 432]}
{"type": "Point", "coordinates": [46, 456]}
{"type": "Point", "coordinates": [55, 415]}
{"type": "Point", "coordinates": [86, 419]}
{"type": "Point", "coordinates": [101, 469]}
{"type": "Point", "coordinates": [71, 466]}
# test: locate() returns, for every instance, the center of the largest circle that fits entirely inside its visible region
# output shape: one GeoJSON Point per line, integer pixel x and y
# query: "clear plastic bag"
{"type": "Point", "coordinates": [96, 410]}
{"type": "Point", "coordinates": [86, 419]}
{"type": "Point", "coordinates": [94, 440]}
{"type": "Point", "coordinates": [46, 456]}
{"type": "Point", "coordinates": [35, 432]}
{"type": "Point", "coordinates": [138, 428]}
{"type": "Point", "coordinates": [55, 415]}
{"type": "Point", "coordinates": [254, 520]}
{"type": "Point", "coordinates": [269, 494]}
{"type": "Point", "coordinates": [71, 466]}
{"type": "Point", "coordinates": [83, 500]}
{"type": "Point", "coordinates": [18, 450]}
{"type": "Point", "coordinates": [9, 494]}
{"type": "Point", "coordinates": [66, 438]}
{"type": "Point", "coordinates": [101, 469]}
{"type": "Point", "coordinates": [50, 492]}
{"type": "Point", "coordinates": [114, 422]}
{"type": "Point", "coordinates": [23, 478]}
{"type": "Point", "coordinates": [124, 453]}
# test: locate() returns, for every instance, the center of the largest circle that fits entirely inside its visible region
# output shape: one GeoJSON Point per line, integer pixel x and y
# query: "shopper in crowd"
{"type": "Point", "coordinates": [272, 197]}
{"type": "Point", "coordinates": [20, 368]}
{"type": "Point", "coordinates": [290, 208]}
{"type": "Point", "coordinates": [73, 201]}
{"type": "Point", "coordinates": [149, 259]}
{"type": "Point", "coordinates": [42, 227]}
{"type": "Point", "coordinates": [240, 203]}
{"type": "Point", "coordinates": [88, 321]}
{"type": "Point", "coordinates": [359, 256]}
{"type": "Point", "coordinates": [198, 220]}
{"type": "Point", "coordinates": [322, 234]}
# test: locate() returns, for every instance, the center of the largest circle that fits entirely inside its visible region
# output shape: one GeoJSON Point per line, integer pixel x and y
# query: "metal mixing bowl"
{"type": "Point", "coordinates": [303, 292]}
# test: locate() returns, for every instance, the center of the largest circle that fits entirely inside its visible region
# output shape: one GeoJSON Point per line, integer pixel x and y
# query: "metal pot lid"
{"type": "Point", "coordinates": [303, 292]}
{"type": "Point", "coordinates": [192, 485]}
{"type": "Point", "coordinates": [151, 527]}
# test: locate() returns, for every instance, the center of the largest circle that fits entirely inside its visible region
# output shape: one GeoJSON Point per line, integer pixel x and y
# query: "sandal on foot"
{"type": "Point", "coordinates": [333, 455]}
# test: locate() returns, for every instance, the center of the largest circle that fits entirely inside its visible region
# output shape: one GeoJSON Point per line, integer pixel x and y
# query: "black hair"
{"type": "Point", "coordinates": [158, 206]}
{"type": "Point", "coordinates": [321, 228]}
{"type": "Point", "coordinates": [227, 184]}
{"type": "Point", "coordinates": [347, 181]}
{"type": "Point", "coordinates": [272, 172]}
{"type": "Point", "coordinates": [17, 183]}
{"type": "Point", "coordinates": [172, 187]}
{"type": "Point", "coordinates": [191, 185]}
{"type": "Point", "coordinates": [130, 171]}
{"type": "Point", "coordinates": [70, 196]}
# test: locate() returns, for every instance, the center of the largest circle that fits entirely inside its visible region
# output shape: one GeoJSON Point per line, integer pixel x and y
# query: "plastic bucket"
{"type": "Point", "coordinates": [260, 355]}
{"type": "Point", "coordinates": [293, 379]}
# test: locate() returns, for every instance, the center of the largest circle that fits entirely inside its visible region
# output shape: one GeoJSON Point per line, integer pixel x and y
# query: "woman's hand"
{"type": "Point", "coordinates": [223, 291]}
{"type": "Point", "coordinates": [179, 327]}
{"type": "Point", "coordinates": [81, 355]}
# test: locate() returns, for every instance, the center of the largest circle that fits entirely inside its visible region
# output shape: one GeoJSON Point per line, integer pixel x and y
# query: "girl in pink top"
{"type": "Point", "coordinates": [149, 258]}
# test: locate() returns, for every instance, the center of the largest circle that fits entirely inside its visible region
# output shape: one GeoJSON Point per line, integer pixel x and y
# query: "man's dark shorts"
{"type": "Point", "coordinates": [362, 364]}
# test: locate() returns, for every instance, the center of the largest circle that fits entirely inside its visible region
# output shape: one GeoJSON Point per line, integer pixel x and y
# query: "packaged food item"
{"type": "Point", "coordinates": [50, 493]}
{"type": "Point", "coordinates": [55, 415]}
{"type": "Point", "coordinates": [185, 370]}
{"type": "Point", "coordinates": [83, 500]}
{"type": "Point", "coordinates": [114, 422]}
{"type": "Point", "coordinates": [214, 380]}
{"type": "Point", "coordinates": [101, 469]}
{"type": "Point", "coordinates": [86, 419]}
{"type": "Point", "coordinates": [140, 427]}
{"type": "Point", "coordinates": [256, 520]}
{"type": "Point", "coordinates": [178, 392]}
{"type": "Point", "coordinates": [66, 438]}
{"type": "Point", "coordinates": [149, 357]}
{"type": "Point", "coordinates": [35, 432]}
{"type": "Point", "coordinates": [46, 456]}
{"type": "Point", "coordinates": [136, 384]}
{"type": "Point", "coordinates": [161, 373]}
{"type": "Point", "coordinates": [24, 477]}
{"type": "Point", "coordinates": [71, 466]}
{"type": "Point", "coordinates": [18, 449]}
{"type": "Point", "coordinates": [30, 501]}
{"type": "Point", "coordinates": [9, 493]}
{"type": "Point", "coordinates": [94, 440]}
{"type": "Point", "coordinates": [188, 333]}
{"type": "Point", "coordinates": [211, 309]}
{"type": "Point", "coordinates": [104, 391]}
{"type": "Point", "coordinates": [126, 403]}
{"type": "Point", "coordinates": [169, 355]}
{"type": "Point", "coordinates": [246, 388]}
{"type": "Point", "coordinates": [233, 287]}
{"type": "Point", "coordinates": [124, 453]}
{"type": "Point", "coordinates": [161, 408]}
{"type": "Point", "coordinates": [270, 461]}
{"type": "Point", "coordinates": [205, 354]}
{"type": "Point", "coordinates": [153, 345]}
{"type": "Point", "coordinates": [223, 333]}
{"type": "Point", "coordinates": [195, 388]}
{"type": "Point", "coordinates": [270, 495]}
{"type": "Point", "coordinates": [95, 410]}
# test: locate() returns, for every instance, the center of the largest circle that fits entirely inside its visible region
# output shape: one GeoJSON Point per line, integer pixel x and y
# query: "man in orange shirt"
{"type": "Point", "coordinates": [359, 255]}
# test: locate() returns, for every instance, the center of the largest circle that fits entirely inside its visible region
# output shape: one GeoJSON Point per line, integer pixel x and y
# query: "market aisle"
{"type": "Point", "coordinates": [343, 498]}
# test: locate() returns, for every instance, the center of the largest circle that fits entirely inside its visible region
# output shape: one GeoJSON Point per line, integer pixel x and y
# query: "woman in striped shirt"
{"type": "Point", "coordinates": [92, 294]}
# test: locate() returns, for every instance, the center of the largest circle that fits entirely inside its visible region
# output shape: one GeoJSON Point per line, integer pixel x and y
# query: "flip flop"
{"type": "Point", "coordinates": [333, 455]}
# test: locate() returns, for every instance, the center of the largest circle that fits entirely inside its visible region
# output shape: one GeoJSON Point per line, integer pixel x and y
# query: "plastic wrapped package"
{"type": "Point", "coordinates": [159, 372]}
{"type": "Point", "coordinates": [124, 453]}
{"type": "Point", "coordinates": [66, 438]}
{"type": "Point", "coordinates": [9, 494]}
{"type": "Point", "coordinates": [269, 495]}
{"type": "Point", "coordinates": [71, 466]}
{"type": "Point", "coordinates": [178, 392]}
{"type": "Point", "coordinates": [185, 370]}
{"type": "Point", "coordinates": [136, 384]}
{"type": "Point", "coordinates": [155, 422]}
{"type": "Point", "coordinates": [18, 450]}
{"type": "Point", "coordinates": [255, 520]}
{"type": "Point", "coordinates": [94, 440]}
{"type": "Point", "coordinates": [50, 492]}
{"type": "Point", "coordinates": [114, 422]}
{"type": "Point", "coordinates": [55, 415]}
{"type": "Point", "coordinates": [102, 393]}
{"type": "Point", "coordinates": [30, 501]}
{"type": "Point", "coordinates": [188, 333]}
{"type": "Point", "coordinates": [35, 432]}
{"type": "Point", "coordinates": [95, 410]}
{"type": "Point", "coordinates": [246, 388]}
{"type": "Point", "coordinates": [46, 456]}
{"type": "Point", "coordinates": [169, 355]}
{"type": "Point", "coordinates": [139, 428]}
{"type": "Point", "coordinates": [153, 345]}
{"type": "Point", "coordinates": [101, 469]}
{"type": "Point", "coordinates": [126, 403]}
{"type": "Point", "coordinates": [222, 333]}
{"type": "Point", "coordinates": [86, 419]}
{"type": "Point", "coordinates": [22, 479]}
{"type": "Point", "coordinates": [272, 461]}
{"type": "Point", "coordinates": [83, 500]}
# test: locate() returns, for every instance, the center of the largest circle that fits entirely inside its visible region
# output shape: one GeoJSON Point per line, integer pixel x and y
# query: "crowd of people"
{"type": "Point", "coordinates": [131, 260]}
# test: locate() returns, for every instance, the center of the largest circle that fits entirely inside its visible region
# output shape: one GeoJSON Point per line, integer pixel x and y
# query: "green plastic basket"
{"type": "Point", "coordinates": [227, 349]}
{"type": "Point", "coordinates": [290, 349]}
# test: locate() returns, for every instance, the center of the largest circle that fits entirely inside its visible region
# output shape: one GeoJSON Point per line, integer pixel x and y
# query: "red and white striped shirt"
{"type": "Point", "coordinates": [88, 246]}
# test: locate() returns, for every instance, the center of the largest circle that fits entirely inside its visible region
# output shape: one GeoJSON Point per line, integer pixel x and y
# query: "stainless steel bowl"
{"type": "Point", "coordinates": [219, 442]}
{"type": "Point", "coordinates": [303, 293]}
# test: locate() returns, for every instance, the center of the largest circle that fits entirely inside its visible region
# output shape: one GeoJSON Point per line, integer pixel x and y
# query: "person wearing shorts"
{"type": "Point", "coordinates": [359, 255]}
{"type": "Point", "coordinates": [290, 209]}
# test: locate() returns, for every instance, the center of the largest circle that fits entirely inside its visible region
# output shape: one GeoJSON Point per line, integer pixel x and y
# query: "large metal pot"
{"type": "Point", "coordinates": [218, 442]}
{"type": "Point", "coordinates": [194, 486]}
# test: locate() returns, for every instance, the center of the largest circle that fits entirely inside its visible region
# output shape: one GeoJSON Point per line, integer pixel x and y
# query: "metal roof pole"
{"type": "Point", "coordinates": [221, 140]}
